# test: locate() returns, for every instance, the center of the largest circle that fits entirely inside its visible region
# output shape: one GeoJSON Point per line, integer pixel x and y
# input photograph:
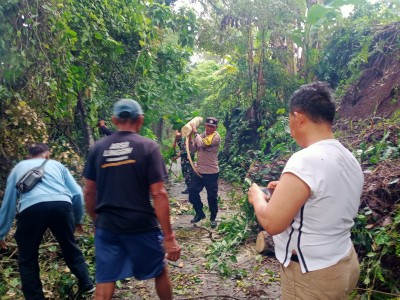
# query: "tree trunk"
{"type": "Point", "coordinates": [312, 2]}
{"type": "Point", "coordinates": [160, 127]}
{"type": "Point", "coordinates": [292, 61]}
{"type": "Point", "coordinates": [228, 135]}
{"type": "Point", "coordinates": [250, 58]}
{"type": "Point", "coordinates": [260, 89]}
{"type": "Point", "coordinates": [264, 243]}
{"type": "Point", "coordinates": [87, 131]}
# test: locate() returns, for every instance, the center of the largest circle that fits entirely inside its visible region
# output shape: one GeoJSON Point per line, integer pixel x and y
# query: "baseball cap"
{"type": "Point", "coordinates": [211, 121]}
{"type": "Point", "coordinates": [127, 109]}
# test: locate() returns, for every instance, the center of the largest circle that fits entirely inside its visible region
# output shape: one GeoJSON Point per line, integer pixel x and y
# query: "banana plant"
{"type": "Point", "coordinates": [318, 16]}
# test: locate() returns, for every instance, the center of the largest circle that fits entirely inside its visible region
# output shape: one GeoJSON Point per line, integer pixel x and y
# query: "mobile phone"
{"type": "Point", "coordinates": [266, 191]}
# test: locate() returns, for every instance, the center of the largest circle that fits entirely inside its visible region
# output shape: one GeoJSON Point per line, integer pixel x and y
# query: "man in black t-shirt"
{"type": "Point", "coordinates": [121, 172]}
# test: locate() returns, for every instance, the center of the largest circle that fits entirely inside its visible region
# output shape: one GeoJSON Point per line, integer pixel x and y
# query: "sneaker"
{"type": "Point", "coordinates": [185, 191]}
{"type": "Point", "coordinates": [198, 217]}
{"type": "Point", "coordinates": [213, 223]}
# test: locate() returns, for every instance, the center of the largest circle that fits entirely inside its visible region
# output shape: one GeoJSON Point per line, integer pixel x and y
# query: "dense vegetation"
{"type": "Point", "coordinates": [63, 64]}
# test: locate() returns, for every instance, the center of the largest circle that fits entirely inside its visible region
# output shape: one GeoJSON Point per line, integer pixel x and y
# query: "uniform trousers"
{"type": "Point", "coordinates": [210, 182]}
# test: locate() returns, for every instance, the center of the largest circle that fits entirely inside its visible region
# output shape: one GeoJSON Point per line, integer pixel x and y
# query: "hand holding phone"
{"type": "Point", "coordinates": [266, 191]}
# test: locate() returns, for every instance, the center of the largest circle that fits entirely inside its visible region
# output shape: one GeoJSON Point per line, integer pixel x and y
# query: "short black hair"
{"type": "Point", "coordinates": [315, 100]}
{"type": "Point", "coordinates": [125, 115]}
{"type": "Point", "coordinates": [36, 149]}
{"type": "Point", "coordinates": [125, 120]}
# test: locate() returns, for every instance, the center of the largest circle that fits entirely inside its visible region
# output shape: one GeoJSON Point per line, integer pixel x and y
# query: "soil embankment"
{"type": "Point", "coordinates": [376, 93]}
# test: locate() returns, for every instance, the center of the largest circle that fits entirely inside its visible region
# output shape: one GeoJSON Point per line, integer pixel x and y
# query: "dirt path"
{"type": "Point", "coordinates": [191, 278]}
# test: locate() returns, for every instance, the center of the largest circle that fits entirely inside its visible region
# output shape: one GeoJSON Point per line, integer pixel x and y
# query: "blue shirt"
{"type": "Point", "coordinates": [56, 185]}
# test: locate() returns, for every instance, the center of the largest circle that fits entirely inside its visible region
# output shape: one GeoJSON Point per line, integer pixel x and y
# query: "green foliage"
{"type": "Point", "coordinates": [57, 279]}
{"type": "Point", "coordinates": [379, 150]}
{"type": "Point", "coordinates": [236, 162]}
{"type": "Point", "coordinates": [276, 140]}
{"type": "Point", "coordinates": [180, 118]}
{"type": "Point", "coordinates": [217, 86]}
{"type": "Point", "coordinates": [350, 43]}
{"type": "Point", "coordinates": [64, 63]}
{"type": "Point", "coordinates": [310, 36]}
{"type": "Point", "coordinates": [168, 153]}
{"type": "Point", "coordinates": [9, 282]}
{"type": "Point", "coordinates": [381, 246]}
{"type": "Point", "coordinates": [21, 126]}
{"type": "Point", "coordinates": [375, 142]}
{"type": "Point", "coordinates": [54, 52]}
{"type": "Point", "coordinates": [251, 80]}
{"type": "Point", "coordinates": [222, 253]}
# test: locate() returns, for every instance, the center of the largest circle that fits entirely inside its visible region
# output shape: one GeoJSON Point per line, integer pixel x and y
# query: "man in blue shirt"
{"type": "Point", "coordinates": [55, 203]}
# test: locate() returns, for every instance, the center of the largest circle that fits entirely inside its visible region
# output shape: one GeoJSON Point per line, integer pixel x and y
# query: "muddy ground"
{"type": "Point", "coordinates": [190, 276]}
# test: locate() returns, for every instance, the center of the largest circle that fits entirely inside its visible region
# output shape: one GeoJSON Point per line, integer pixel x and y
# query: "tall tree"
{"type": "Point", "coordinates": [248, 35]}
{"type": "Point", "coordinates": [67, 61]}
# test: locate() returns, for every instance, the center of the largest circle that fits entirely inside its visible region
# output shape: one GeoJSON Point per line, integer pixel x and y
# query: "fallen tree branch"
{"type": "Point", "coordinates": [212, 296]}
{"type": "Point", "coordinates": [378, 292]}
{"type": "Point", "coordinates": [208, 230]}
{"type": "Point", "coordinates": [12, 245]}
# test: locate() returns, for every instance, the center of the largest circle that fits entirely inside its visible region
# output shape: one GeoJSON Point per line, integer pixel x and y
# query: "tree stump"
{"type": "Point", "coordinates": [264, 243]}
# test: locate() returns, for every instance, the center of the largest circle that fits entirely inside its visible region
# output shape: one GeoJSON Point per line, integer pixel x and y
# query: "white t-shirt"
{"type": "Point", "coordinates": [320, 232]}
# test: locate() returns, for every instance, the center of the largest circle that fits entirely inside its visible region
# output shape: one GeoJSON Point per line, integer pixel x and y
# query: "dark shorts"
{"type": "Point", "coordinates": [125, 255]}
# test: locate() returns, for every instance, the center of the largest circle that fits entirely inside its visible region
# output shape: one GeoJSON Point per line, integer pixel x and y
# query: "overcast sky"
{"type": "Point", "coordinates": [346, 9]}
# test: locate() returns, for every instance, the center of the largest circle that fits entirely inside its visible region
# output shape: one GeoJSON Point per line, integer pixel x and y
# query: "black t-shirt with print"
{"type": "Point", "coordinates": [124, 165]}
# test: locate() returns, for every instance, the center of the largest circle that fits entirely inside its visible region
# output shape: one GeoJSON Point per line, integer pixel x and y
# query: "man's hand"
{"type": "Point", "coordinates": [101, 123]}
{"type": "Point", "coordinates": [172, 248]}
{"type": "Point", "coordinates": [194, 129]}
{"type": "Point", "coordinates": [161, 208]}
{"type": "Point", "coordinates": [255, 193]}
{"type": "Point", "coordinates": [272, 185]}
{"type": "Point", "coordinates": [177, 134]}
{"type": "Point", "coordinates": [3, 244]}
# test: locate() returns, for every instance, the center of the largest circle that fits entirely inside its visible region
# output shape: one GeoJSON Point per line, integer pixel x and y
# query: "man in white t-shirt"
{"type": "Point", "coordinates": [311, 211]}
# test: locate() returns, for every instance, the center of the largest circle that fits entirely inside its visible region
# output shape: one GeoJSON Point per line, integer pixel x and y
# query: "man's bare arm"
{"type": "Point", "coordinates": [161, 207]}
{"type": "Point", "coordinates": [90, 195]}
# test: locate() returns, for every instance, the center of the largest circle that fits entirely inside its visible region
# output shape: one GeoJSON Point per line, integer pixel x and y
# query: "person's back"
{"type": "Point", "coordinates": [53, 185]}
{"type": "Point", "coordinates": [55, 203]}
{"type": "Point", "coordinates": [121, 172]}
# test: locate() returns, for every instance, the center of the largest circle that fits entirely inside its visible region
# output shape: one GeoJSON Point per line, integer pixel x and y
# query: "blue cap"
{"type": "Point", "coordinates": [127, 109]}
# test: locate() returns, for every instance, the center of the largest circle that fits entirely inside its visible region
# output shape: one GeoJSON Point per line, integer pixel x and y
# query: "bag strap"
{"type": "Point", "coordinates": [41, 166]}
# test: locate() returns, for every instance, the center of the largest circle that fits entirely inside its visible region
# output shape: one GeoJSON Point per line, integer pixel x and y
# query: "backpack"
{"type": "Point", "coordinates": [30, 178]}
